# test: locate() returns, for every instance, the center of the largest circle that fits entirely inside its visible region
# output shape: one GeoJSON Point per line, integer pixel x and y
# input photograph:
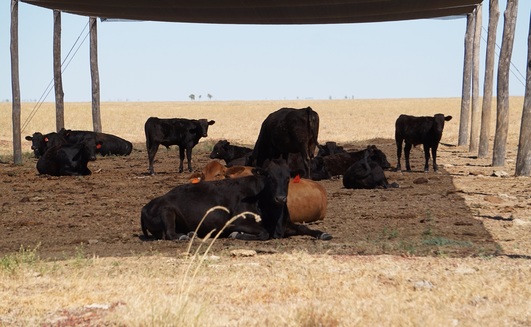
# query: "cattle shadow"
{"type": "Point", "coordinates": [101, 213]}
{"type": "Point", "coordinates": [422, 219]}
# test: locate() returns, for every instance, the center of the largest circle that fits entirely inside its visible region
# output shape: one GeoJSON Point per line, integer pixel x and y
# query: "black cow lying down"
{"type": "Point", "coordinates": [338, 163]}
{"type": "Point", "coordinates": [177, 213]}
{"type": "Point", "coordinates": [67, 160]}
{"type": "Point", "coordinates": [110, 144]}
{"type": "Point", "coordinates": [228, 152]}
{"type": "Point", "coordinates": [41, 142]}
{"type": "Point", "coordinates": [366, 174]}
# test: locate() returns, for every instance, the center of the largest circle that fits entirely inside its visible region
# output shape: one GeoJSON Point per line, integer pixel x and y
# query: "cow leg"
{"type": "Point", "coordinates": [181, 157]}
{"type": "Point", "coordinates": [398, 154]}
{"type": "Point", "coordinates": [434, 157]}
{"type": "Point", "coordinates": [152, 151]}
{"type": "Point", "coordinates": [427, 159]}
{"type": "Point", "coordinates": [189, 158]}
{"type": "Point", "coordinates": [168, 217]}
{"type": "Point", "coordinates": [407, 151]}
{"type": "Point", "coordinates": [249, 231]}
{"type": "Point", "coordinates": [298, 229]}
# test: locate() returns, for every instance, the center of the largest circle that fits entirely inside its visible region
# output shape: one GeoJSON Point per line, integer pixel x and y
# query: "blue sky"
{"type": "Point", "coordinates": [154, 61]}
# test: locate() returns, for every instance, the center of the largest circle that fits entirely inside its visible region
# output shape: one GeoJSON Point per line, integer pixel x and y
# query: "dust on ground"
{"type": "Point", "coordinates": [460, 211]}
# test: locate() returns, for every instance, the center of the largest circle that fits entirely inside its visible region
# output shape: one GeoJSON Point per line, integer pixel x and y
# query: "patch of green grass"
{"type": "Point", "coordinates": [390, 233]}
{"type": "Point", "coordinates": [11, 263]}
{"type": "Point", "coordinates": [443, 241]}
{"type": "Point", "coordinates": [408, 247]}
{"type": "Point", "coordinates": [80, 257]}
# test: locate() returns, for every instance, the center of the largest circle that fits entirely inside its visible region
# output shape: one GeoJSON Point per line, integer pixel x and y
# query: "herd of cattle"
{"type": "Point", "coordinates": [264, 192]}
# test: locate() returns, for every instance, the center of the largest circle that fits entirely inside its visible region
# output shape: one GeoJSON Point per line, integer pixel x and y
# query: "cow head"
{"type": "Point", "coordinates": [219, 150]}
{"type": "Point", "coordinates": [203, 123]}
{"type": "Point", "coordinates": [378, 156]}
{"type": "Point", "coordinates": [278, 177]}
{"type": "Point", "coordinates": [38, 143]}
{"type": "Point", "coordinates": [213, 171]}
{"type": "Point", "coordinates": [438, 122]}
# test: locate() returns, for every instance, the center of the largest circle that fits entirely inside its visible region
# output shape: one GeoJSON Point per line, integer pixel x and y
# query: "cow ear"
{"type": "Point", "coordinates": [29, 138]}
{"type": "Point", "coordinates": [211, 122]}
{"type": "Point", "coordinates": [448, 118]}
{"type": "Point", "coordinates": [196, 178]}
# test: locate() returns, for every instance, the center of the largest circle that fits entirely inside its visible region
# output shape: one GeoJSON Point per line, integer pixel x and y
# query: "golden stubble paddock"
{"type": "Point", "coordinates": [342, 121]}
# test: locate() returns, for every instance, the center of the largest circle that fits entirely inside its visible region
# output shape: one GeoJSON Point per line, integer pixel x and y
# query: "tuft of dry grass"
{"type": "Point", "coordinates": [290, 289]}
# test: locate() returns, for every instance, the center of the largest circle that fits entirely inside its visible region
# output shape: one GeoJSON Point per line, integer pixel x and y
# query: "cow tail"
{"type": "Point", "coordinates": [146, 131]}
{"type": "Point", "coordinates": [143, 225]}
{"type": "Point", "coordinates": [313, 126]}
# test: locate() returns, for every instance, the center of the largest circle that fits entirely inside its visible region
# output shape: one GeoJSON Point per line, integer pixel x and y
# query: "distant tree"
{"type": "Point", "coordinates": [192, 97]}
{"type": "Point", "coordinates": [209, 96]}
{"type": "Point", "coordinates": [199, 96]}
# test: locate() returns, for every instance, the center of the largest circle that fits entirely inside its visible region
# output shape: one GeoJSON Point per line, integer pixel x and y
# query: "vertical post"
{"type": "Point", "coordinates": [15, 85]}
{"type": "Point", "coordinates": [467, 74]}
{"type": "Point", "coordinates": [494, 14]}
{"type": "Point", "coordinates": [57, 75]}
{"type": "Point", "coordinates": [476, 113]}
{"type": "Point", "coordinates": [523, 159]}
{"type": "Point", "coordinates": [502, 114]}
{"type": "Point", "coordinates": [94, 73]}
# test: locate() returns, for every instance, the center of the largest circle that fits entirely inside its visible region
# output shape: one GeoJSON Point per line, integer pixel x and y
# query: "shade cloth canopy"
{"type": "Point", "coordinates": [262, 11]}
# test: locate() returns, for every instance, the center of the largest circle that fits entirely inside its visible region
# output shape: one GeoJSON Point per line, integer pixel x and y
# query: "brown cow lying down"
{"type": "Point", "coordinates": [212, 171]}
{"type": "Point", "coordinates": [307, 201]}
{"type": "Point", "coordinates": [175, 214]}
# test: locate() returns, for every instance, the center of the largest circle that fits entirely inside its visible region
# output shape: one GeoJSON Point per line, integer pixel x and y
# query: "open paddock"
{"type": "Point", "coordinates": [446, 248]}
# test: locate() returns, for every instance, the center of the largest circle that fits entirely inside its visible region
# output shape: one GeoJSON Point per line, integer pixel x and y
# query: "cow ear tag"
{"type": "Point", "coordinates": [196, 180]}
{"type": "Point", "coordinates": [98, 146]}
{"type": "Point", "coordinates": [297, 179]}
{"type": "Point", "coordinates": [45, 139]}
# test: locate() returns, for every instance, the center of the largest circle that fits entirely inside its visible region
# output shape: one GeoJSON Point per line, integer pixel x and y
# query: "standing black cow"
{"type": "Point", "coordinates": [419, 130]}
{"type": "Point", "coordinates": [285, 131]}
{"type": "Point", "coordinates": [110, 144]}
{"type": "Point", "coordinates": [185, 133]}
{"type": "Point", "coordinates": [67, 159]}
{"type": "Point", "coordinates": [366, 174]}
{"type": "Point", "coordinates": [177, 213]}
{"type": "Point", "coordinates": [41, 142]}
{"type": "Point", "coordinates": [228, 152]}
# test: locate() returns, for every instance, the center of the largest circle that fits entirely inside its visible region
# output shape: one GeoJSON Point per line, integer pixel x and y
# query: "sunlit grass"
{"type": "Point", "coordinates": [342, 121]}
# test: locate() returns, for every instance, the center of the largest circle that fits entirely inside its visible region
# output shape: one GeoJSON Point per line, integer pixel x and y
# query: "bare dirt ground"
{"type": "Point", "coordinates": [460, 211]}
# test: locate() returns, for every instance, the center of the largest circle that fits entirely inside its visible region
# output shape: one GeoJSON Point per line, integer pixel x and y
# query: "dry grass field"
{"type": "Point", "coordinates": [453, 252]}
